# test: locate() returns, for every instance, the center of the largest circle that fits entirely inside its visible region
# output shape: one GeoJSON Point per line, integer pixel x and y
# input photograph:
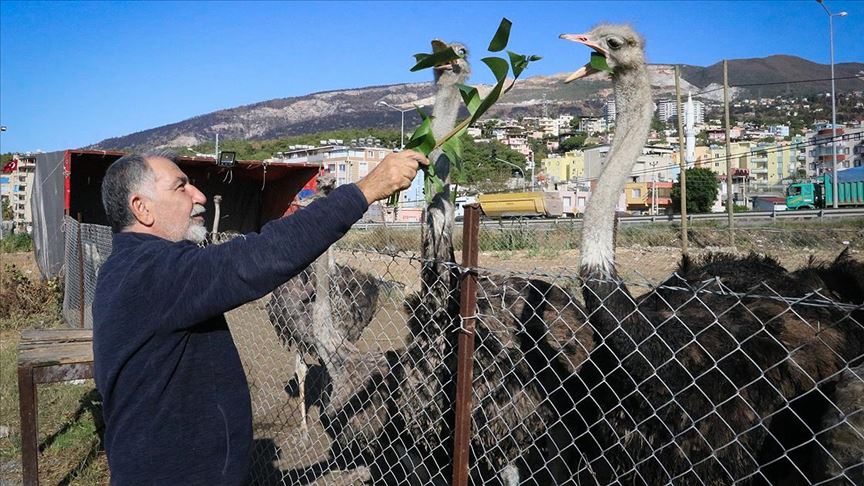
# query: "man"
{"type": "Point", "coordinates": [175, 398]}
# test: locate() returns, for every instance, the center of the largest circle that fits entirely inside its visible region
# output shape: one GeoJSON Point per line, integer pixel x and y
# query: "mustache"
{"type": "Point", "coordinates": [197, 209]}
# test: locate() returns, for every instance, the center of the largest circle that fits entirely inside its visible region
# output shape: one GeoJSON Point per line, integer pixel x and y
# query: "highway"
{"type": "Point", "coordinates": [749, 217]}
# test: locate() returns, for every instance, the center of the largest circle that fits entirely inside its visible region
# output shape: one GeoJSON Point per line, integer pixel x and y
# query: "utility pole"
{"type": "Point", "coordinates": [728, 153]}
{"type": "Point", "coordinates": [2, 129]}
{"type": "Point", "coordinates": [682, 177]}
{"type": "Point", "coordinates": [653, 187]}
{"type": "Point", "coordinates": [834, 187]}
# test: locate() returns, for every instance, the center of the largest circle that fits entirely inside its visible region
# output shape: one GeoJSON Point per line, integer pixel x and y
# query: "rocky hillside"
{"type": "Point", "coordinates": [353, 108]}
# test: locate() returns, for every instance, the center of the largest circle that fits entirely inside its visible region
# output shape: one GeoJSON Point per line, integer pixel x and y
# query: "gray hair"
{"type": "Point", "coordinates": [126, 175]}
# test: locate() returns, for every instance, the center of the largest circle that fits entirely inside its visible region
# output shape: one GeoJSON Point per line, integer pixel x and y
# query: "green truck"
{"type": "Point", "coordinates": [819, 193]}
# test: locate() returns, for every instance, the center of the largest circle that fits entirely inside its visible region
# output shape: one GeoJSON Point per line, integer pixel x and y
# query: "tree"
{"type": "Point", "coordinates": [575, 142]}
{"type": "Point", "coordinates": [575, 122]}
{"type": "Point", "coordinates": [481, 165]}
{"type": "Point", "coordinates": [702, 190]}
{"type": "Point", "coordinates": [7, 209]}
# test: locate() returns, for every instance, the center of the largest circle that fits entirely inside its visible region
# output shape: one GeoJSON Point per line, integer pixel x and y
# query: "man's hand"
{"type": "Point", "coordinates": [392, 174]}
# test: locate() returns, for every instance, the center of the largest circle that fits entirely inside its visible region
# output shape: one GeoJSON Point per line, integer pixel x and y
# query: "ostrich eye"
{"type": "Point", "coordinates": [614, 43]}
{"type": "Point", "coordinates": [461, 51]}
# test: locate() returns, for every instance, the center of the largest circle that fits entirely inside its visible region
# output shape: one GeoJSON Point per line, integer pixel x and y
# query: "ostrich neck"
{"type": "Point", "coordinates": [633, 121]}
{"type": "Point", "coordinates": [437, 235]}
{"type": "Point", "coordinates": [323, 327]}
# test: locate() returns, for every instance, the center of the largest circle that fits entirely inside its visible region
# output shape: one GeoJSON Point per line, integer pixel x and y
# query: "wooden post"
{"type": "Point", "coordinates": [465, 358]}
{"type": "Point", "coordinates": [80, 274]}
{"type": "Point", "coordinates": [29, 431]}
{"type": "Point", "coordinates": [729, 208]}
{"type": "Point", "coordinates": [682, 164]}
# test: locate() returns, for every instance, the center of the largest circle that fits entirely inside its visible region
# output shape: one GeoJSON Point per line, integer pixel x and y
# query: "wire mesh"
{"type": "Point", "coordinates": [722, 368]}
{"type": "Point", "coordinates": [86, 247]}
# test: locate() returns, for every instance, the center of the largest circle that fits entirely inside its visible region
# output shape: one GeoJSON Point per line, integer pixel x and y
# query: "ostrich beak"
{"type": "Point", "coordinates": [438, 46]}
{"type": "Point", "coordinates": [586, 69]}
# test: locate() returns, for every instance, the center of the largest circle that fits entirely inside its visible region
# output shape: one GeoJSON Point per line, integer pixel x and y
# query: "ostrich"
{"type": "Point", "coordinates": [689, 387]}
{"type": "Point", "coordinates": [324, 310]}
{"type": "Point", "coordinates": [531, 338]}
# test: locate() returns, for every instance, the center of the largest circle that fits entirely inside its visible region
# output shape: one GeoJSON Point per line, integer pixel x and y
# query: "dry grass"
{"type": "Point", "coordinates": [67, 432]}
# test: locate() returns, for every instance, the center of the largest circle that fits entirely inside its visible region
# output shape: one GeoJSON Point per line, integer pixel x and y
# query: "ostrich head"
{"type": "Point", "coordinates": [622, 47]}
{"type": "Point", "coordinates": [453, 72]}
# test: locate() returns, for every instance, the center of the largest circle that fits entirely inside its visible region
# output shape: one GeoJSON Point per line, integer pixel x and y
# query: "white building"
{"type": "Point", "coordinates": [609, 112]}
{"type": "Point", "coordinates": [666, 109]}
{"type": "Point", "coordinates": [16, 188]}
{"type": "Point", "coordinates": [592, 124]}
{"type": "Point", "coordinates": [779, 130]}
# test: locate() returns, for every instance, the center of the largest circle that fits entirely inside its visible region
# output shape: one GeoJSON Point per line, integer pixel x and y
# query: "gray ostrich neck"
{"type": "Point", "coordinates": [633, 121]}
{"type": "Point", "coordinates": [437, 250]}
{"type": "Point", "coordinates": [323, 327]}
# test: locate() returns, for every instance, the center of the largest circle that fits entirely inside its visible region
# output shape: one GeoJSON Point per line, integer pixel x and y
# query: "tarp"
{"type": "Point", "coordinates": [850, 175]}
{"type": "Point", "coordinates": [46, 203]}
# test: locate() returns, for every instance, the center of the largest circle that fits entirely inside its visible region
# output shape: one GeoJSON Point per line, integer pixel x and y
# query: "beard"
{"type": "Point", "coordinates": [196, 232]}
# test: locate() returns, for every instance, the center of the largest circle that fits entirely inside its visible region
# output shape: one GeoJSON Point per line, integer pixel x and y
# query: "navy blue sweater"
{"type": "Point", "coordinates": [175, 398]}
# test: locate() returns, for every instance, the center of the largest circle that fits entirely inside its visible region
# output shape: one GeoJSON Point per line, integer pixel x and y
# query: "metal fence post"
{"type": "Point", "coordinates": [80, 274]}
{"type": "Point", "coordinates": [465, 358]}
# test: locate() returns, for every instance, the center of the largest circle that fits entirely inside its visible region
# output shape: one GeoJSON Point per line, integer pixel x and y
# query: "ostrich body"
{"type": "Point", "coordinates": [692, 385]}
{"type": "Point", "coordinates": [323, 310]}
{"type": "Point", "coordinates": [531, 337]}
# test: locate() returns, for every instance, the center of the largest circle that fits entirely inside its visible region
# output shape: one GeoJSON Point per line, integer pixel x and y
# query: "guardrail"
{"type": "Point", "coordinates": [744, 216]}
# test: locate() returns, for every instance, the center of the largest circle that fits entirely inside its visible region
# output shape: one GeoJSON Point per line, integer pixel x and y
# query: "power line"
{"type": "Point", "coordinates": [776, 83]}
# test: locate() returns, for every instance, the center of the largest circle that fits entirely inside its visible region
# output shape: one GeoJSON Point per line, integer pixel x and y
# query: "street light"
{"type": "Point", "coordinates": [653, 187]}
{"type": "Point", "coordinates": [511, 164]}
{"type": "Point", "coordinates": [833, 102]}
{"type": "Point", "coordinates": [402, 112]}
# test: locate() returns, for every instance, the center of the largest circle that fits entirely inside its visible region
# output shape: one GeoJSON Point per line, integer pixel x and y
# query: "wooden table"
{"type": "Point", "coordinates": [47, 356]}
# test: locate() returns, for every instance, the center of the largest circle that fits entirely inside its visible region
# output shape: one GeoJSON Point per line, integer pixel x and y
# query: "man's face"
{"type": "Point", "coordinates": [178, 206]}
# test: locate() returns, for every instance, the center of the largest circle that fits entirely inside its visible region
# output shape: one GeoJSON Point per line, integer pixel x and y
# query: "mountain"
{"type": "Point", "coordinates": [356, 108]}
{"type": "Point", "coordinates": [780, 70]}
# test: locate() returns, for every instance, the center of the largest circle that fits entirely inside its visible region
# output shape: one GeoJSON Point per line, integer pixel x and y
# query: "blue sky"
{"type": "Point", "coordinates": [74, 73]}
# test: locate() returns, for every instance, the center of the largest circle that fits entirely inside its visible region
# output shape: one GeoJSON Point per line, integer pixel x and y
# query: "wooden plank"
{"type": "Point", "coordinates": [66, 372]}
{"type": "Point", "coordinates": [56, 335]}
{"type": "Point", "coordinates": [56, 354]}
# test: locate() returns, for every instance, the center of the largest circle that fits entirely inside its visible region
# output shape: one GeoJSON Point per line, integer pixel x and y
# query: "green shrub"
{"type": "Point", "coordinates": [16, 242]}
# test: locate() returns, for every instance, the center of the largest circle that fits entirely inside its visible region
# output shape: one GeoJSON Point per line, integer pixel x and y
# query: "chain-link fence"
{"type": "Point", "coordinates": [86, 248]}
{"type": "Point", "coordinates": [718, 369]}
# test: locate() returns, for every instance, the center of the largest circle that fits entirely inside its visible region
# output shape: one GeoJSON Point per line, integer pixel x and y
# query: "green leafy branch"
{"type": "Point", "coordinates": [422, 140]}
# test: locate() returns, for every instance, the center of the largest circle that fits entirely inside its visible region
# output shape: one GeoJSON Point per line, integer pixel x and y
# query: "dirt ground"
{"type": "Point", "coordinates": [26, 261]}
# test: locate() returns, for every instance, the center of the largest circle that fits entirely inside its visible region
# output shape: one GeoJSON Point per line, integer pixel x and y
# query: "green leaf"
{"type": "Point", "coordinates": [502, 36]}
{"type": "Point", "coordinates": [518, 63]}
{"type": "Point", "coordinates": [425, 61]}
{"type": "Point", "coordinates": [498, 66]}
{"type": "Point", "coordinates": [422, 139]}
{"type": "Point", "coordinates": [453, 150]}
{"type": "Point", "coordinates": [598, 62]}
{"type": "Point", "coordinates": [470, 96]}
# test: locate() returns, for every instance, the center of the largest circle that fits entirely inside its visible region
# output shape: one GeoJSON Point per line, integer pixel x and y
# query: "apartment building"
{"type": "Point", "coordinates": [655, 163]}
{"type": "Point", "coordinates": [15, 189]}
{"type": "Point", "coordinates": [564, 168]}
{"type": "Point", "coordinates": [642, 197]}
{"type": "Point", "coordinates": [609, 112]}
{"type": "Point", "coordinates": [590, 124]}
{"type": "Point", "coordinates": [666, 109]}
{"type": "Point", "coordinates": [347, 163]}
{"type": "Point", "coordinates": [819, 153]}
